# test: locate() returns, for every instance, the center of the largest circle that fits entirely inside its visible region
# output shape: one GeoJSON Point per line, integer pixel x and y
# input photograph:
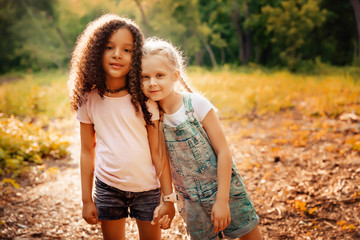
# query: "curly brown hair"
{"type": "Point", "coordinates": [86, 72]}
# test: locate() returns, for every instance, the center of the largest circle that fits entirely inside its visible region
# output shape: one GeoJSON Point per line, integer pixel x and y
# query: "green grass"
{"type": "Point", "coordinates": [41, 94]}
{"type": "Point", "coordinates": [29, 134]}
{"type": "Point", "coordinates": [30, 104]}
{"type": "Point", "coordinates": [237, 93]}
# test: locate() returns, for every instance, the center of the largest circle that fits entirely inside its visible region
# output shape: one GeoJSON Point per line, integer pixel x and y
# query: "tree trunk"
{"type": "Point", "coordinates": [199, 58]}
{"type": "Point", "coordinates": [210, 51]}
{"type": "Point", "coordinates": [145, 23]}
{"type": "Point", "coordinates": [223, 59]}
{"type": "Point", "coordinates": [236, 19]}
{"type": "Point", "coordinates": [247, 37]}
{"type": "Point", "coordinates": [60, 33]}
{"type": "Point", "coordinates": [63, 39]}
{"type": "Point", "coordinates": [356, 7]}
{"type": "Point", "coordinates": [244, 37]}
{"type": "Point", "coordinates": [257, 54]}
{"type": "Point", "coordinates": [44, 35]}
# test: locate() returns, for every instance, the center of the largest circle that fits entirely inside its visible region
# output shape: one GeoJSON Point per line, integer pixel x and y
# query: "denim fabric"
{"type": "Point", "coordinates": [194, 171]}
{"type": "Point", "coordinates": [114, 204]}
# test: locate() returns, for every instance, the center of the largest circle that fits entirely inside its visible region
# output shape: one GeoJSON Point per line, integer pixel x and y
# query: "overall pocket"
{"type": "Point", "coordinates": [202, 153]}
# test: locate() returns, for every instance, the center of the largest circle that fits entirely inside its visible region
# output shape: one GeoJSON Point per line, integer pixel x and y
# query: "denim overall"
{"type": "Point", "coordinates": [193, 164]}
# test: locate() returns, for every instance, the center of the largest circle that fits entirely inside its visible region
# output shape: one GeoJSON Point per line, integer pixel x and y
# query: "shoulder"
{"type": "Point", "coordinates": [199, 99]}
{"type": "Point", "coordinates": [93, 93]}
{"type": "Point", "coordinates": [90, 95]}
{"type": "Point", "coordinates": [151, 104]}
{"type": "Point", "coordinates": [89, 98]}
{"type": "Point", "coordinates": [201, 105]}
{"type": "Point", "coordinates": [153, 108]}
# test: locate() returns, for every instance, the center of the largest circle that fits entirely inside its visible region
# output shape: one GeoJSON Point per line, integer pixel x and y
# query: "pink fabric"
{"type": "Point", "coordinates": [123, 158]}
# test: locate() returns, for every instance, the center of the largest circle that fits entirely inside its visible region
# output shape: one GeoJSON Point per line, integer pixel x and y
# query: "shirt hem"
{"type": "Point", "coordinates": [153, 187]}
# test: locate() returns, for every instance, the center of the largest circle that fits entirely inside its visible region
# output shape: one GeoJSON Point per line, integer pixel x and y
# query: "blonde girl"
{"type": "Point", "coordinates": [119, 136]}
{"type": "Point", "coordinates": [213, 199]}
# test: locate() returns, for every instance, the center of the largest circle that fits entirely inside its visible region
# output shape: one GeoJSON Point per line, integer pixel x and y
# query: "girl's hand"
{"type": "Point", "coordinates": [89, 213]}
{"type": "Point", "coordinates": [164, 222]}
{"type": "Point", "coordinates": [220, 215]}
{"type": "Point", "coordinates": [164, 214]}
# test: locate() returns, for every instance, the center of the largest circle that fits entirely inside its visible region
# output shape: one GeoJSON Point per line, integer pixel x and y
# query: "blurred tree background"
{"type": "Point", "coordinates": [283, 74]}
{"type": "Point", "coordinates": [295, 34]}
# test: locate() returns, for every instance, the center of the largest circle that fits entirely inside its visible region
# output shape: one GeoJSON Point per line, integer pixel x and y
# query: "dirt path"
{"type": "Point", "coordinates": [51, 207]}
{"type": "Point", "coordinates": [302, 174]}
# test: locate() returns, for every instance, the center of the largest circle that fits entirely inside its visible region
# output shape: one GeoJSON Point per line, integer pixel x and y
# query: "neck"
{"type": "Point", "coordinates": [171, 103]}
{"type": "Point", "coordinates": [115, 87]}
{"type": "Point", "coordinates": [115, 83]}
{"type": "Point", "coordinates": [116, 90]}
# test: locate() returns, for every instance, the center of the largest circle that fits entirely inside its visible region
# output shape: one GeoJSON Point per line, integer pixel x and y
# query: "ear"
{"type": "Point", "coordinates": [177, 75]}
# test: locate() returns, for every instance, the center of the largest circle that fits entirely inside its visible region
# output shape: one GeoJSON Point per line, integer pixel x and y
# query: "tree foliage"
{"type": "Point", "coordinates": [40, 34]}
{"type": "Point", "coordinates": [291, 26]}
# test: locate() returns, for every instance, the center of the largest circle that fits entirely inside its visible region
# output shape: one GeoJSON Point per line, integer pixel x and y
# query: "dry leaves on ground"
{"type": "Point", "coordinates": [303, 175]}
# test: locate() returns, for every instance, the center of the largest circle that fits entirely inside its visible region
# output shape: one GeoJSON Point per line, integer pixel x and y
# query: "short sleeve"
{"type": "Point", "coordinates": [202, 106]}
{"type": "Point", "coordinates": [82, 114]}
{"type": "Point", "coordinates": [153, 108]}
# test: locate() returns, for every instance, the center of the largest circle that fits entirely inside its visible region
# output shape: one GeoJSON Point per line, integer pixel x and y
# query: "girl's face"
{"type": "Point", "coordinates": [158, 77]}
{"type": "Point", "coordinates": [117, 56]}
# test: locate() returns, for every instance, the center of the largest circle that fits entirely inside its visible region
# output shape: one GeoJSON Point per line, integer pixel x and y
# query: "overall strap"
{"type": "Point", "coordinates": [188, 107]}
{"type": "Point", "coordinates": [187, 103]}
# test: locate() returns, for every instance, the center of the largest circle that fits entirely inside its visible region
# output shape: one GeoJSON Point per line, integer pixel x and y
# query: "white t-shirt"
{"type": "Point", "coordinates": [201, 107]}
{"type": "Point", "coordinates": [122, 152]}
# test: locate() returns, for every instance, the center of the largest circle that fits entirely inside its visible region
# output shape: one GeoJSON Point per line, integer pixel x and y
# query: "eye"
{"type": "Point", "coordinates": [127, 50]}
{"type": "Point", "coordinates": [108, 47]}
{"type": "Point", "coordinates": [160, 75]}
{"type": "Point", "coordinates": [144, 77]}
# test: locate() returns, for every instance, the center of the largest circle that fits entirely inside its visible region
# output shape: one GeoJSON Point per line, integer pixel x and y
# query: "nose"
{"type": "Point", "coordinates": [117, 53]}
{"type": "Point", "coordinates": [152, 82]}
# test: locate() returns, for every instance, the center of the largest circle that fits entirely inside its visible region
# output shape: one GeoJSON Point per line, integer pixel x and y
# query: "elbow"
{"type": "Point", "coordinates": [225, 156]}
{"type": "Point", "coordinates": [155, 156]}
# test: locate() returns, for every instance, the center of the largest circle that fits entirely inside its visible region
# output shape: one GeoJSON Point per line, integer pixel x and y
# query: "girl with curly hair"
{"type": "Point", "coordinates": [119, 135]}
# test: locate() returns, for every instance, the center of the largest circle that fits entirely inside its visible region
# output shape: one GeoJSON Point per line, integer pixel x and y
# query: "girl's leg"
{"type": "Point", "coordinates": [147, 231]}
{"type": "Point", "coordinates": [114, 229]}
{"type": "Point", "coordinates": [253, 235]}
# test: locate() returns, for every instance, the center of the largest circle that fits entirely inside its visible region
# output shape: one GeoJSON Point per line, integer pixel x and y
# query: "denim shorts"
{"type": "Point", "coordinates": [115, 204]}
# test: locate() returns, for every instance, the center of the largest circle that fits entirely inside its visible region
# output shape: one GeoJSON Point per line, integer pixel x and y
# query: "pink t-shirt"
{"type": "Point", "coordinates": [122, 152]}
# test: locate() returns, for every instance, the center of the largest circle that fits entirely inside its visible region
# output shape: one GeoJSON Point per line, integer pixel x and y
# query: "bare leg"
{"type": "Point", "coordinates": [148, 231]}
{"type": "Point", "coordinates": [114, 229]}
{"type": "Point", "coordinates": [253, 235]}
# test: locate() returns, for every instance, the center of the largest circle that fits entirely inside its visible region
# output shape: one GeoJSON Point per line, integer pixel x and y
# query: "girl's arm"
{"type": "Point", "coordinates": [161, 162]}
{"type": "Point", "coordinates": [87, 164]}
{"type": "Point", "coordinates": [220, 215]}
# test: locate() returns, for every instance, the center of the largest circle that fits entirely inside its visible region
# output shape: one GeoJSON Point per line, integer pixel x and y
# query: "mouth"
{"type": "Point", "coordinates": [154, 91]}
{"type": "Point", "coordinates": [116, 65]}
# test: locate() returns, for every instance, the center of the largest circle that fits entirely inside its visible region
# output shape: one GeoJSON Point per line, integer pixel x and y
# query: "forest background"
{"type": "Point", "coordinates": [297, 34]}
{"type": "Point", "coordinates": [284, 75]}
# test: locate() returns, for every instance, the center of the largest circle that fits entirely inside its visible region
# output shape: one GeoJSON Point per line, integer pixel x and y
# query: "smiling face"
{"type": "Point", "coordinates": [158, 77]}
{"type": "Point", "coordinates": [117, 55]}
